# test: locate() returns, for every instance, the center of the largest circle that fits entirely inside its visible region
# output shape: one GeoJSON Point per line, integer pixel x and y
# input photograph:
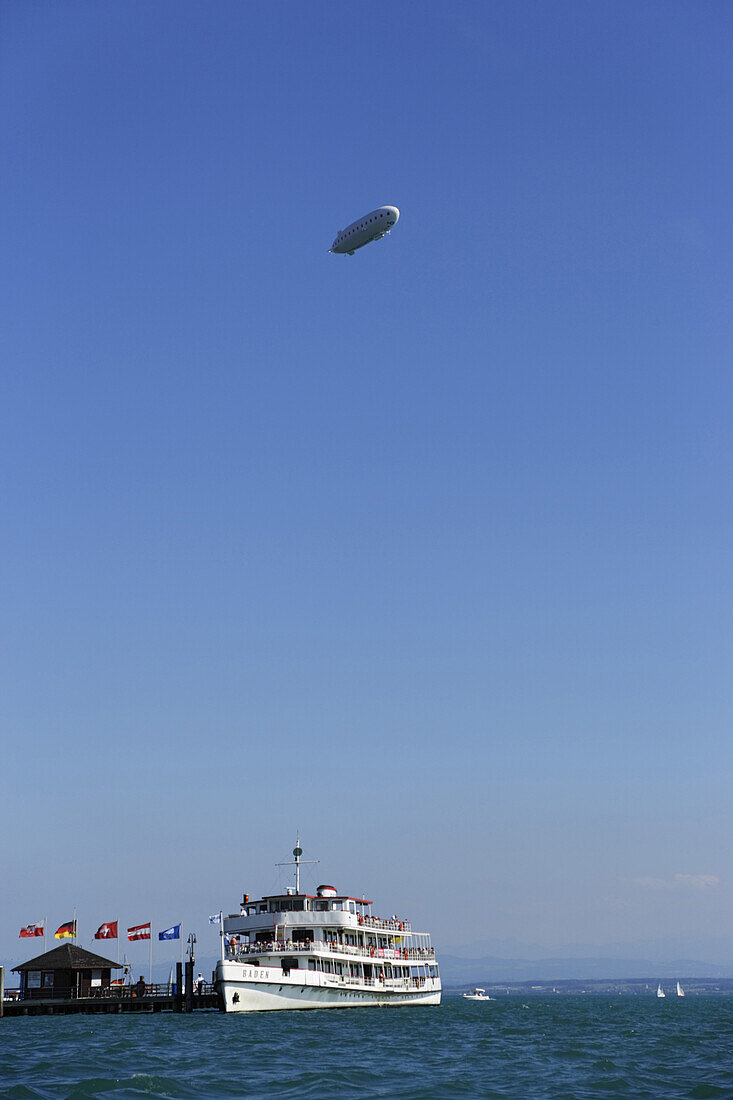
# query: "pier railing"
{"type": "Point", "coordinates": [132, 992]}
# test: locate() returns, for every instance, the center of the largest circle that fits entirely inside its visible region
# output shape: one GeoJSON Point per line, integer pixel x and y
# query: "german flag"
{"type": "Point", "coordinates": [66, 930]}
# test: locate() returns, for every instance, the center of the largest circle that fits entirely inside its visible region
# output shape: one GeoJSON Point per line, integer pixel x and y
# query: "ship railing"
{"type": "Point", "coordinates": [394, 924]}
{"type": "Point", "coordinates": [326, 947]}
{"type": "Point", "coordinates": [372, 952]}
{"type": "Point", "coordinates": [349, 979]}
{"type": "Point", "coordinates": [388, 983]}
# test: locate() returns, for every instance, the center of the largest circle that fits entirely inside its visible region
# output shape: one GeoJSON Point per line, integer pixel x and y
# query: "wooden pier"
{"type": "Point", "coordinates": [183, 996]}
{"type": "Point", "coordinates": [156, 999]}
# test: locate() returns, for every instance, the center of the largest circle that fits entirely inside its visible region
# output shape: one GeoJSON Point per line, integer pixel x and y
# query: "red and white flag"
{"type": "Point", "coordinates": [139, 932]}
{"type": "Point", "coordinates": [31, 930]}
{"type": "Point", "coordinates": [107, 931]}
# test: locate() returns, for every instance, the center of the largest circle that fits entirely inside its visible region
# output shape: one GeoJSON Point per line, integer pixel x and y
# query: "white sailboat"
{"type": "Point", "coordinates": [660, 991]}
{"type": "Point", "coordinates": [680, 990]}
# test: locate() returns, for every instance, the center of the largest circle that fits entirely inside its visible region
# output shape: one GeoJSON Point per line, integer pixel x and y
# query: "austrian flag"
{"type": "Point", "coordinates": [107, 931]}
{"type": "Point", "coordinates": [139, 932]}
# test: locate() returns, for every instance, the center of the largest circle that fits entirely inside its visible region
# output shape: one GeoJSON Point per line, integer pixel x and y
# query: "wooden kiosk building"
{"type": "Point", "coordinates": [64, 973]}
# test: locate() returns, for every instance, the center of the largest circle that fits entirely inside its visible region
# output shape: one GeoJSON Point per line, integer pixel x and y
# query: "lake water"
{"type": "Point", "coordinates": [569, 1047]}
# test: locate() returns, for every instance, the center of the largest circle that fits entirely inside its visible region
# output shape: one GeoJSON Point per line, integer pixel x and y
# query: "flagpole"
{"type": "Point", "coordinates": [45, 922]}
{"type": "Point", "coordinates": [118, 941]}
{"type": "Point", "coordinates": [150, 970]}
{"type": "Point", "coordinates": [74, 936]}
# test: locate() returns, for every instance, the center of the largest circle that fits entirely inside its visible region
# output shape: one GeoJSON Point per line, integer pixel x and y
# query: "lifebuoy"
{"type": "Point", "coordinates": [361, 919]}
{"type": "Point", "coordinates": [371, 952]}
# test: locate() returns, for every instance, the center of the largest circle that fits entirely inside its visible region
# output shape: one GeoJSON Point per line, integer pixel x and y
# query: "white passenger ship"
{"type": "Point", "coordinates": [326, 950]}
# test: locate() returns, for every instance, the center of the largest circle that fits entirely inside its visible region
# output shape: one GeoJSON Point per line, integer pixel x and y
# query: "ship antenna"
{"type": "Point", "coordinates": [297, 852]}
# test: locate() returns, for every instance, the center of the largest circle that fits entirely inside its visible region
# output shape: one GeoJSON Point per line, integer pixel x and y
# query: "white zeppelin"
{"type": "Point", "coordinates": [372, 227]}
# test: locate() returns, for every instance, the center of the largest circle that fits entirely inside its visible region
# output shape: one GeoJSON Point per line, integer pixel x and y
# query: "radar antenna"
{"type": "Point", "coordinates": [297, 862]}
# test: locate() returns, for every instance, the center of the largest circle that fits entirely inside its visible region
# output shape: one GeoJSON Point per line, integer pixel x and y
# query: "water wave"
{"type": "Point", "coordinates": [559, 1048]}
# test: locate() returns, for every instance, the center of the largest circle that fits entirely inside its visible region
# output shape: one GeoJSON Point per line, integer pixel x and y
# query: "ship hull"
{"type": "Point", "coordinates": [267, 990]}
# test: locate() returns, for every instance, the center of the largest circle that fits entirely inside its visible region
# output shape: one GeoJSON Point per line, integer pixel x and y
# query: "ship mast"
{"type": "Point", "coordinates": [297, 852]}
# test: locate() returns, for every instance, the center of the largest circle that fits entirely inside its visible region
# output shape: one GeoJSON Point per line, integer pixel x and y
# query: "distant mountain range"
{"type": "Point", "coordinates": [511, 960]}
{"type": "Point", "coordinates": [692, 947]}
{"type": "Point", "coordinates": [467, 971]}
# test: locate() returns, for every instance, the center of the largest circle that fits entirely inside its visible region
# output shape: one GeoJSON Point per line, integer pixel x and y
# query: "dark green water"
{"type": "Point", "coordinates": [574, 1047]}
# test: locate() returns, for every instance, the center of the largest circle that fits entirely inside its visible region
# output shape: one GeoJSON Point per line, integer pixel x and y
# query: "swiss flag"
{"type": "Point", "coordinates": [107, 931]}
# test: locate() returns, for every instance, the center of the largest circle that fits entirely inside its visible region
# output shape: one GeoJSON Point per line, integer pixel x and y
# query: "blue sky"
{"type": "Point", "coordinates": [425, 551]}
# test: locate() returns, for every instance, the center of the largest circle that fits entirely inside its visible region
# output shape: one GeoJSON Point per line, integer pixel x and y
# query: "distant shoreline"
{"type": "Point", "coordinates": [693, 986]}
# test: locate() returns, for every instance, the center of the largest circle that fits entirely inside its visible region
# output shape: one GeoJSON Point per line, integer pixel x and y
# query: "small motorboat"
{"type": "Point", "coordinates": [477, 994]}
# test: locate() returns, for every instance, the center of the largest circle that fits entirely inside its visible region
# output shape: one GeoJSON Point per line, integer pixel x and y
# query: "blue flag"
{"type": "Point", "coordinates": [172, 933]}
